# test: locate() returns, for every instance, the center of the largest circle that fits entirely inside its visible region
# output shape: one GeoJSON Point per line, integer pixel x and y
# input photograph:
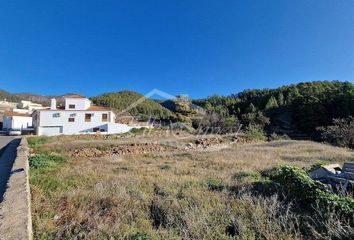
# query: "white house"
{"type": "Point", "coordinates": [17, 120]}
{"type": "Point", "coordinates": [78, 116]}
{"type": "Point", "coordinates": [31, 106]}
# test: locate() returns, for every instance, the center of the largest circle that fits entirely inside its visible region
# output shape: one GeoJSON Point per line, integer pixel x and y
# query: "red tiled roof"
{"type": "Point", "coordinates": [16, 114]}
{"type": "Point", "coordinates": [97, 108]}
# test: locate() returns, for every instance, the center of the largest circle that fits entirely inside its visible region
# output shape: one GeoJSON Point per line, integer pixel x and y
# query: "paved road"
{"type": "Point", "coordinates": [8, 146]}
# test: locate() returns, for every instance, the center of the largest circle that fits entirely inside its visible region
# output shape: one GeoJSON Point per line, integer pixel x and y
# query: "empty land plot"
{"type": "Point", "coordinates": [170, 193]}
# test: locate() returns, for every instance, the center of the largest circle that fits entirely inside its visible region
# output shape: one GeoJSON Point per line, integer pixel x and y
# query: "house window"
{"type": "Point", "coordinates": [88, 117]}
{"type": "Point", "coordinates": [71, 106]}
{"type": "Point", "coordinates": [71, 119]}
{"type": "Point", "coordinates": [104, 117]}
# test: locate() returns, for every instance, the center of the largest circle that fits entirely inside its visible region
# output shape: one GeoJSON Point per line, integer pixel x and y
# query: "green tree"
{"type": "Point", "coordinates": [251, 108]}
{"type": "Point", "coordinates": [280, 99]}
{"type": "Point", "coordinates": [272, 103]}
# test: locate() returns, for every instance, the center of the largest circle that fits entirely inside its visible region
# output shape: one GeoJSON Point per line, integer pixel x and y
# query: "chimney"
{"type": "Point", "coordinates": [53, 104]}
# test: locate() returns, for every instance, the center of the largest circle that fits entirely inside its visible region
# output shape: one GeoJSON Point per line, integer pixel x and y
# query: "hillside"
{"type": "Point", "coordinates": [17, 97]}
{"type": "Point", "coordinates": [118, 101]}
{"type": "Point", "coordinates": [297, 110]}
{"type": "Point", "coordinates": [123, 100]}
{"type": "Point", "coordinates": [294, 108]}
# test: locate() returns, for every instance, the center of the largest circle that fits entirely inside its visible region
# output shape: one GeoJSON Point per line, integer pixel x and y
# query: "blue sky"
{"type": "Point", "coordinates": [195, 47]}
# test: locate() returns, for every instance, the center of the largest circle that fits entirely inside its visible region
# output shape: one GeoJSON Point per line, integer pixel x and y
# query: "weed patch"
{"type": "Point", "coordinates": [45, 161]}
{"type": "Point", "coordinates": [215, 184]}
{"type": "Point", "coordinates": [36, 141]}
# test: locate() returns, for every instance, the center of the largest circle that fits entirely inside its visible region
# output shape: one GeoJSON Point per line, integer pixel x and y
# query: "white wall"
{"type": "Point", "coordinates": [115, 128]}
{"type": "Point", "coordinates": [50, 124]}
{"type": "Point", "coordinates": [17, 122]}
{"type": "Point", "coordinates": [51, 119]}
{"type": "Point", "coordinates": [80, 103]}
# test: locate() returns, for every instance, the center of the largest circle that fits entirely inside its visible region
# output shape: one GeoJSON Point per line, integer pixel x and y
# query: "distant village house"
{"type": "Point", "coordinates": [17, 120]}
{"type": "Point", "coordinates": [18, 115]}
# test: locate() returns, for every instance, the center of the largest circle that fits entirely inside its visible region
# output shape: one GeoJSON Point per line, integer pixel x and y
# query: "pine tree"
{"type": "Point", "coordinates": [252, 108]}
{"type": "Point", "coordinates": [280, 99]}
{"type": "Point", "coordinates": [272, 103]}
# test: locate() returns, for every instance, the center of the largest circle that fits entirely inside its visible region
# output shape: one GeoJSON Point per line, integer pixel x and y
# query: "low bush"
{"type": "Point", "coordinates": [42, 161]}
{"type": "Point", "coordinates": [299, 187]}
{"type": "Point", "coordinates": [255, 133]}
{"type": "Point", "coordinates": [341, 133]}
{"type": "Point", "coordinates": [315, 166]}
{"type": "Point", "coordinates": [247, 176]}
{"type": "Point", "coordinates": [137, 130]}
{"type": "Point", "coordinates": [215, 184]}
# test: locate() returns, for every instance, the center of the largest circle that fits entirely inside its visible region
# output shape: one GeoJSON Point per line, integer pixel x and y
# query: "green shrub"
{"type": "Point", "coordinates": [315, 166]}
{"type": "Point", "coordinates": [42, 161]}
{"type": "Point", "coordinates": [247, 175]}
{"type": "Point", "coordinates": [299, 187]}
{"type": "Point", "coordinates": [255, 133]}
{"type": "Point", "coordinates": [341, 133]}
{"type": "Point", "coordinates": [215, 184]}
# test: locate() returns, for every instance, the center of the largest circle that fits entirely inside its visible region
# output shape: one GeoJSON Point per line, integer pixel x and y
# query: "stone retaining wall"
{"type": "Point", "coordinates": [16, 208]}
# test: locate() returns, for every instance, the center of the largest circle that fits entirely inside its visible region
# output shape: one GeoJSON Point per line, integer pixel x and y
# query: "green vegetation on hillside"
{"type": "Point", "coordinates": [120, 101]}
{"type": "Point", "coordinates": [319, 110]}
{"type": "Point", "coordinates": [302, 107]}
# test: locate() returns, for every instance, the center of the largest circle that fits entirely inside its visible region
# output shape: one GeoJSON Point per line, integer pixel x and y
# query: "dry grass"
{"type": "Point", "coordinates": [170, 195]}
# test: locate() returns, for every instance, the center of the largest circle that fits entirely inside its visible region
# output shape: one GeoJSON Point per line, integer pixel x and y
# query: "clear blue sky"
{"type": "Point", "coordinates": [195, 47]}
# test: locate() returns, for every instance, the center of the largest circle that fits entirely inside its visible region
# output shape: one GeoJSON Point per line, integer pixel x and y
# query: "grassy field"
{"type": "Point", "coordinates": [175, 193]}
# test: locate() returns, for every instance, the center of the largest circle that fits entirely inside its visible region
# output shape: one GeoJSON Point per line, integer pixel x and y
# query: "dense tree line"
{"type": "Point", "coordinates": [307, 105]}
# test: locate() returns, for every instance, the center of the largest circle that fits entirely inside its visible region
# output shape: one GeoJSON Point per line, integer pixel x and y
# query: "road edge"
{"type": "Point", "coordinates": [16, 207]}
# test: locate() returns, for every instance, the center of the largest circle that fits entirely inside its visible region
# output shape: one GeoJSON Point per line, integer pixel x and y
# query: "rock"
{"type": "Point", "coordinates": [207, 142]}
{"type": "Point", "coordinates": [87, 152]}
{"type": "Point", "coordinates": [190, 145]}
{"type": "Point", "coordinates": [136, 148]}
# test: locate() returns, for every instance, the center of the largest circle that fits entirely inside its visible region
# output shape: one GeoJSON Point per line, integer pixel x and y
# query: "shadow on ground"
{"type": "Point", "coordinates": [7, 158]}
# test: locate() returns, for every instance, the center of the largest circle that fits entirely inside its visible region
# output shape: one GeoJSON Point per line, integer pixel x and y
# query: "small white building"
{"type": "Point", "coordinates": [17, 120]}
{"type": "Point", "coordinates": [31, 106]}
{"type": "Point", "coordinates": [78, 116]}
